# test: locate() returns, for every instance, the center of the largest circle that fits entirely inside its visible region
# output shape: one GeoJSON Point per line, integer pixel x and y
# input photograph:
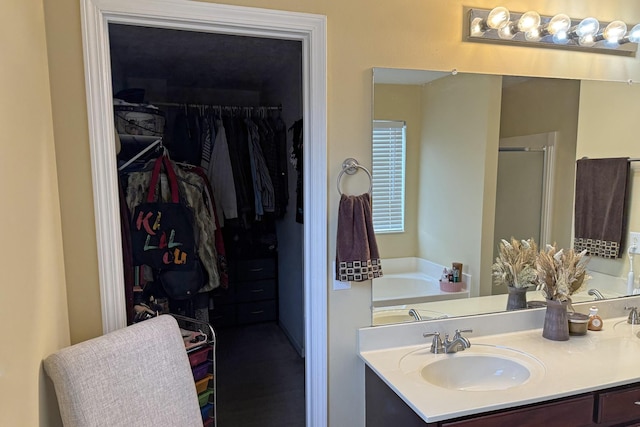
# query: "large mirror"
{"type": "Point", "coordinates": [490, 157]}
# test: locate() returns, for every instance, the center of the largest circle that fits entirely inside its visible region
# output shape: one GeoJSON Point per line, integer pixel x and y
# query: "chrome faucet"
{"type": "Point", "coordinates": [414, 313]}
{"type": "Point", "coordinates": [597, 293]}
{"type": "Point", "coordinates": [633, 318]}
{"type": "Point", "coordinates": [458, 343]}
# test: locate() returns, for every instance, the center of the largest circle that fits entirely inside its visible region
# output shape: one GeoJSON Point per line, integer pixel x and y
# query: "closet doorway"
{"type": "Point", "coordinates": [210, 18]}
{"type": "Point", "coordinates": [205, 84]}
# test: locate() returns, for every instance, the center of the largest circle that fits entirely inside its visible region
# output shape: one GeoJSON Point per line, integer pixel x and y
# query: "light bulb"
{"type": "Point", "coordinates": [587, 41]}
{"type": "Point", "coordinates": [634, 34]}
{"type": "Point", "coordinates": [533, 35]}
{"type": "Point", "coordinates": [529, 21]}
{"type": "Point", "coordinates": [498, 18]}
{"type": "Point", "coordinates": [588, 27]}
{"type": "Point", "coordinates": [560, 37]}
{"type": "Point", "coordinates": [477, 27]}
{"type": "Point", "coordinates": [559, 23]}
{"type": "Point", "coordinates": [615, 31]}
{"type": "Point", "coordinates": [507, 32]}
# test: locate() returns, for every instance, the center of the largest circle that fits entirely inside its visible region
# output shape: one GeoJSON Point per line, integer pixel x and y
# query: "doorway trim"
{"type": "Point", "coordinates": [96, 15]}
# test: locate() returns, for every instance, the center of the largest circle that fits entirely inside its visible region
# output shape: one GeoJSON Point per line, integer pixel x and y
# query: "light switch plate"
{"type": "Point", "coordinates": [634, 240]}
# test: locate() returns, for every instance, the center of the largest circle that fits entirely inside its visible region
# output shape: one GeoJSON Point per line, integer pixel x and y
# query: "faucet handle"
{"type": "Point", "coordinates": [436, 344]}
{"type": "Point", "coordinates": [459, 331]}
{"type": "Point", "coordinates": [634, 318]}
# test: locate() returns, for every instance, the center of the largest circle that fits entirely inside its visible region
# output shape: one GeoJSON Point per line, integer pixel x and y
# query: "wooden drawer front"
{"type": "Point", "coordinates": [223, 315]}
{"type": "Point", "coordinates": [224, 296]}
{"type": "Point", "coordinates": [256, 291]}
{"type": "Point", "coordinates": [252, 312]}
{"type": "Point", "coordinates": [256, 269]}
{"type": "Point", "coordinates": [573, 412]}
{"type": "Point", "coordinates": [619, 406]}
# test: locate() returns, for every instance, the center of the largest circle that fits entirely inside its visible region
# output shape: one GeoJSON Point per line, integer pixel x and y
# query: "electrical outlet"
{"type": "Point", "coordinates": [634, 242]}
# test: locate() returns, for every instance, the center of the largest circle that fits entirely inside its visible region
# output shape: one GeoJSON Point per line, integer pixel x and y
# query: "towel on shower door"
{"type": "Point", "coordinates": [601, 204]}
{"type": "Point", "coordinates": [357, 256]}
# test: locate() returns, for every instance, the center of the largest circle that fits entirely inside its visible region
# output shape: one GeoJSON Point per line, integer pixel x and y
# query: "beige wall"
{"type": "Point", "coordinates": [421, 34]}
{"type": "Point", "coordinates": [596, 140]}
{"type": "Point", "coordinates": [461, 120]}
{"type": "Point", "coordinates": [33, 300]}
{"type": "Point", "coordinates": [540, 106]}
{"type": "Point", "coordinates": [403, 102]}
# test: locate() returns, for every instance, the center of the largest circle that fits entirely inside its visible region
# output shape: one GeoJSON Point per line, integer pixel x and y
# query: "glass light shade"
{"type": "Point", "coordinates": [587, 41]}
{"type": "Point", "coordinates": [533, 35]}
{"type": "Point", "coordinates": [529, 21]}
{"type": "Point", "coordinates": [588, 27]}
{"type": "Point", "coordinates": [634, 34]}
{"type": "Point", "coordinates": [558, 24]}
{"type": "Point", "coordinates": [615, 31]}
{"type": "Point", "coordinates": [507, 32]}
{"type": "Point", "coordinates": [498, 18]}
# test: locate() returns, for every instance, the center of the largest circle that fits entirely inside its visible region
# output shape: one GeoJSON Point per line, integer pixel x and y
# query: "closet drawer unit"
{"type": "Point", "coordinates": [224, 296]}
{"type": "Point", "coordinates": [223, 315]}
{"type": "Point", "coordinates": [256, 291]}
{"type": "Point", "coordinates": [253, 312]}
{"type": "Point", "coordinates": [255, 269]}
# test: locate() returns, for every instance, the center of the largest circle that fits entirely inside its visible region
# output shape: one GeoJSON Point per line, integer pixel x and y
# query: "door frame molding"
{"type": "Point", "coordinates": [96, 15]}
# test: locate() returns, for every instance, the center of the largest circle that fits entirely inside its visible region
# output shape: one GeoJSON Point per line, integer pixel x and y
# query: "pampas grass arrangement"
{"type": "Point", "coordinates": [516, 264]}
{"type": "Point", "coordinates": [561, 272]}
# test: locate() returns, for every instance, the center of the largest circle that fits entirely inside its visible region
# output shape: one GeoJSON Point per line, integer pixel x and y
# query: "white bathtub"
{"type": "Point", "coordinates": [411, 280]}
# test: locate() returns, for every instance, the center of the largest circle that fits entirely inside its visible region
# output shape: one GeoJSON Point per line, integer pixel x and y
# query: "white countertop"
{"type": "Point", "coordinates": [597, 360]}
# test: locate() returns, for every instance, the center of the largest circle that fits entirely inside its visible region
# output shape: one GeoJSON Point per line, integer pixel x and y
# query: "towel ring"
{"type": "Point", "coordinates": [350, 166]}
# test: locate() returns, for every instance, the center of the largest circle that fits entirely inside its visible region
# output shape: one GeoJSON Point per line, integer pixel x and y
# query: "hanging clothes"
{"type": "Point", "coordinates": [297, 160]}
{"type": "Point", "coordinates": [262, 186]}
{"type": "Point", "coordinates": [220, 174]}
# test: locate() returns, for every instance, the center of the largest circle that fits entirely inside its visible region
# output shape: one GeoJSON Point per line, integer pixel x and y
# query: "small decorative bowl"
{"type": "Point", "coordinates": [578, 323]}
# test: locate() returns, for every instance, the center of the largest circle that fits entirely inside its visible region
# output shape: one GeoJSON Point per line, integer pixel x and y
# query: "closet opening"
{"type": "Point", "coordinates": [227, 109]}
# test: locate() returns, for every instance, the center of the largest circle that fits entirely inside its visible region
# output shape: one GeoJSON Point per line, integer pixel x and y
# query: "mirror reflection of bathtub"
{"type": "Point", "coordinates": [413, 280]}
{"type": "Point", "coordinates": [457, 305]}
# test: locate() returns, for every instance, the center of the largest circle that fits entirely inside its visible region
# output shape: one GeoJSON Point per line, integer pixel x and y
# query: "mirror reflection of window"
{"type": "Point", "coordinates": [388, 172]}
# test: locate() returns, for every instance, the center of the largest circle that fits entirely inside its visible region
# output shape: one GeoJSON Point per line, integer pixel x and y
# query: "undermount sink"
{"type": "Point", "coordinates": [478, 368]}
{"type": "Point", "coordinates": [627, 329]}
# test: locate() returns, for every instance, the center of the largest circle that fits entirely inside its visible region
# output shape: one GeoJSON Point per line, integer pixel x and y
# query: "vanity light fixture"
{"type": "Point", "coordinates": [500, 26]}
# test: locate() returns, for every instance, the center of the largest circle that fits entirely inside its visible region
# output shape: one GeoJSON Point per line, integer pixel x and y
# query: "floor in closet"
{"type": "Point", "coordinates": [260, 378]}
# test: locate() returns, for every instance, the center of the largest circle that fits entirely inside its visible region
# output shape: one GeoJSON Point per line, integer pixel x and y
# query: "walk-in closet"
{"type": "Point", "coordinates": [226, 110]}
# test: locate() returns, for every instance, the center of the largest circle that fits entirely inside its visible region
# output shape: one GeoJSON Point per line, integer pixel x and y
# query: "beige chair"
{"type": "Point", "coordinates": [136, 376]}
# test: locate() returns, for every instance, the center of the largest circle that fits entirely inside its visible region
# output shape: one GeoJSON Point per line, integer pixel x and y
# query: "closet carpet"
{"type": "Point", "coordinates": [260, 378]}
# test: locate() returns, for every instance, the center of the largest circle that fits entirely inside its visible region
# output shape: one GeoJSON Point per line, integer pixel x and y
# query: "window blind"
{"type": "Point", "coordinates": [388, 172]}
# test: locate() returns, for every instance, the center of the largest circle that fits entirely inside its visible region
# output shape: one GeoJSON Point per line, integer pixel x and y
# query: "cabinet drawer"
{"type": "Point", "coordinates": [619, 405]}
{"type": "Point", "coordinates": [255, 269]}
{"type": "Point", "coordinates": [256, 290]}
{"type": "Point", "coordinates": [224, 296]}
{"type": "Point", "coordinates": [253, 312]}
{"type": "Point", "coordinates": [223, 315]}
{"type": "Point", "coordinates": [568, 412]}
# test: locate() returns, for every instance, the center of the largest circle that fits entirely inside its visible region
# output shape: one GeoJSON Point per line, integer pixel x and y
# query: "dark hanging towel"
{"type": "Point", "coordinates": [357, 256]}
{"type": "Point", "coordinates": [601, 204]}
{"type": "Point", "coordinates": [297, 159]}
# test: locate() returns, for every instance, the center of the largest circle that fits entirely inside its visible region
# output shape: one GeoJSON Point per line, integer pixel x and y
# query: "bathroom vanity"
{"type": "Point", "coordinates": [510, 375]}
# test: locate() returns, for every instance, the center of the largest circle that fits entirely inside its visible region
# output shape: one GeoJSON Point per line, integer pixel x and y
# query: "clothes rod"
{"type": "Point", "coordinates": [176, 104]}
